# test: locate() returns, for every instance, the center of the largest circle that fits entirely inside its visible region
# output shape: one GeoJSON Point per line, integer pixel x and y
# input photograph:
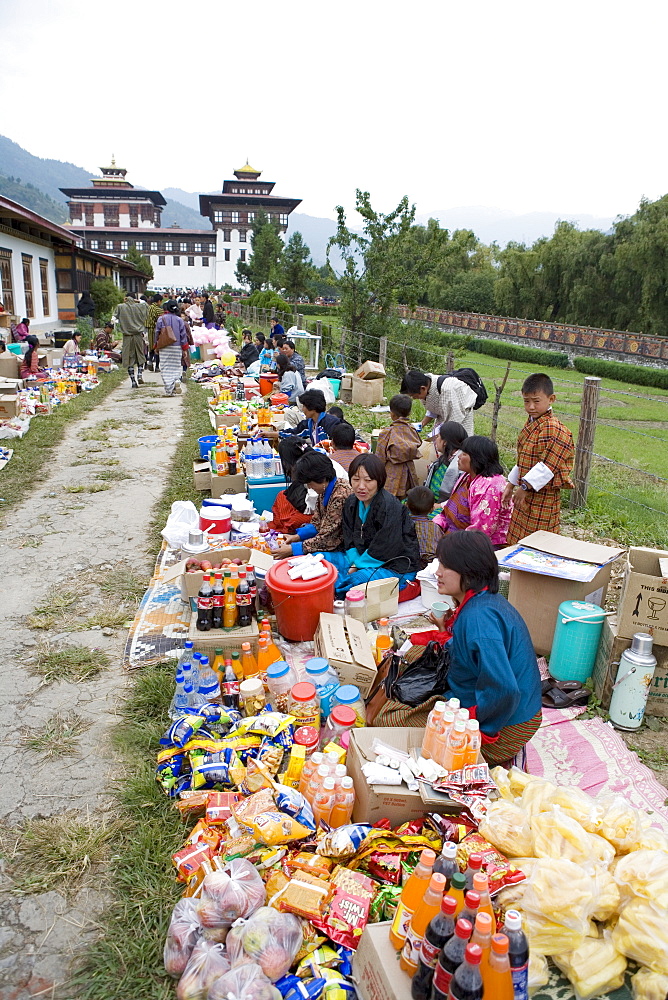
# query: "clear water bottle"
{"type": "Point", "coordinates": [194, 675]}
{"type": "Point", "coordinates": [326, 681]}
{"type": "Point", "coordinates": [179, 704]}
{"type": "Point", "coordinates": [187, 653]}
{"type": "Point", "coordinates": [209, 683]}
{"type": "Point", "coordinates": [268, 460]}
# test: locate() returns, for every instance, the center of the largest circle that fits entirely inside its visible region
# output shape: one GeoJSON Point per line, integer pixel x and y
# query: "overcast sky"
{"type": "Point", "coordinates": [520, 105]}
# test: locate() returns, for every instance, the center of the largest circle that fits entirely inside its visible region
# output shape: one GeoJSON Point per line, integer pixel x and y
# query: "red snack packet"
{"type": "Point", "coordinates": [219, 807]}
{"type": "Point", "coordinates": [386, 867]}
{"type": "Point", "coordinates": [382, 824]}
{"type": "Point", "coordinates": [348, 912]}
{"type": "Point", "coordinates": [189, 859]}
{"type": "Point", "coordinates": [411, 829]}
{"type": "Point", "coordinates": [499, 870]}
{"type": "Point", "coordinates": [202, 833]}
{"type": "Point", "coordinates": [192, 804]}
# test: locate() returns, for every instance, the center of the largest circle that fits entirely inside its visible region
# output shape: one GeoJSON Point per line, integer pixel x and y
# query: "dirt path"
{"type": "Point", "coordinates": [62, 539]}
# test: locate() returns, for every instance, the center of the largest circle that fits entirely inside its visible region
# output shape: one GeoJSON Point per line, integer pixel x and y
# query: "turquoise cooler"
{"type": "Point", "coordinates": [263, 492]}
{"type": "Point", "coordinates": [576, 639]}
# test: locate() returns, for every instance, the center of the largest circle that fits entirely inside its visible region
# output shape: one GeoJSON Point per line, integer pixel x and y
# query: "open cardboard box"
{"type": "Point", "coordinates": [344, 643]}
{"type": "Point", "coordinates": [202, 474]}
{"type": "Point", "coordinates": [373, 802]}
{"type": "Point", "coordinates": [191, 582]}
{"type": "Point", "coordinates": [370, 370]}
{"type": "Point", "coordinates": [9, 406]}
{"type": "Point", "coordinates": [643, 605]}
{"type": "Point", "coordinates": [219, 638]}
{"type": "Point", "coordinates": [376, 970]}
{"type": "Point", "coordinates": [219, 420]}
{"type": "Point", "coordinates": [537, 589]}
{"type": "Point", "coordinates": [367, 392]}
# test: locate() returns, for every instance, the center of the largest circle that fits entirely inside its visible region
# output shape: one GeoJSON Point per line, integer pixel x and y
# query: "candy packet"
{"type": "Point", "coordinates": [273, 828]}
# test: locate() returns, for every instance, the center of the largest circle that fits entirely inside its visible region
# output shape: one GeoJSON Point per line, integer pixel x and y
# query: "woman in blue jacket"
{"type": "Point", "coordinates": [493, 669]}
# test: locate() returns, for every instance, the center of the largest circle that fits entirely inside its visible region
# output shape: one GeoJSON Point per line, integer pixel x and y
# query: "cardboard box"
{"type": "Point", "coordinates": [643, 605]}
{"type": "Point", "coordinates": [346, 381]}
{"type": "Point", "coordinates": [370, 370]}
{"type": "Point", "coordinates": [376, 970]}
{"type": "Point", "coordinates": [202, 474]}
{"type": "Point", "coordinates": [222, 486]}
{"type": "Point", "coordinates": [191, 582]}
{"type": "Point", "coordinates": [344, 643]}
{"type": "Point", "coordinates": [374, 802]}
{"type": "Point", "coordinates": [382, 599]}
{"type": "Point", "coordinates": [367, 393]}
{"type": "Point", "coordinates": [10, 365]}
{"type": "Point", "coordinates": [537, 596]}
{"type": "Point", "coordinates": [604, 675]}
{"type": "Point", "coordinates": [9, 406]}
{"type": "Point", "coordinates": [219, 638]}
{"type": "Point", "coordinates": [219, 420]}
{"type": "Point", "coordinates": [10, 386]}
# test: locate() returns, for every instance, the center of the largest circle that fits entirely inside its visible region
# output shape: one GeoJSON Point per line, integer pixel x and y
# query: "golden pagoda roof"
{"type": "Point", "coordinates": [247, 169]}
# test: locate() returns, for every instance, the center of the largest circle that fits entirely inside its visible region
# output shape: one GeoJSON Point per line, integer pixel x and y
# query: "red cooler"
{"type": "Point", "coordinates": [299, 603]}
{"type": "Point", "coordinates": [216, 520]}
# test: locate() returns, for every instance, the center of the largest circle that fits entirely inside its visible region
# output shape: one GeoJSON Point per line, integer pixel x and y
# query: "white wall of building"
{"type": "Point", "coordinates": [182, 276]}
{"type": "Point", "coordinates": [18, 246]}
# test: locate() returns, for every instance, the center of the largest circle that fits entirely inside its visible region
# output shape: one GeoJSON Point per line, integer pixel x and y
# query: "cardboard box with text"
{"type": "Point", "coordinates": [344, 643]}
{"type": "Point", "coordinates": [643, 605]}
{"type": "Point", "coordinates": [376, 970]}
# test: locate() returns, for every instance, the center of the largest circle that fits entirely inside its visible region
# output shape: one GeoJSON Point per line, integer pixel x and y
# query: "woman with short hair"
{"type": "Point", "coordinates": [475, 502]}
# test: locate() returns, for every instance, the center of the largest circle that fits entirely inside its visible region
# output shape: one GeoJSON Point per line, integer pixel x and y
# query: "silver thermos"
{"type": "Point", "coordinates": [634, 679]}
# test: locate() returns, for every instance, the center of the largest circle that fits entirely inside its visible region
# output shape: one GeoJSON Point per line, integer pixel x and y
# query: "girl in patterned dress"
{"type": "Point", "coordinates": [476, 501]}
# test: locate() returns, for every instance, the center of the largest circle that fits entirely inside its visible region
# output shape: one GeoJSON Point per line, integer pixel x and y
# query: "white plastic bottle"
{"type": "Point", "coordinates": [474, 741]}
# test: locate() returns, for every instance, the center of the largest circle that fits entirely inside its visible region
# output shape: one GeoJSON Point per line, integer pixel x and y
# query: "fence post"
{"type": "Point", "coordinates": [585, 441]}
{"type": "Point", "coordinates": [255, 315]}
{"type": "Point", "coordinates": [300, 321]}
{"type": "Point", "coordinates": [343, 341]}
{"type": "Point", "coordinates": [382, 351]}
{"type": "Point", "coordinates": [273, 312]}
{"type": "Point", "coordinates": [450, 362]}
{"type": "Point", "coordinates": [360, 337]}
{"type": "Point", "coordinates": [265, 321]}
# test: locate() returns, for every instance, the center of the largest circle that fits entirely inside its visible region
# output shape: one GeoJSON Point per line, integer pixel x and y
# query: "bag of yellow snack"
{"type": "Point", "coordinates": [499, 776]}
{"type": "Point", "coordinates": [620, 823]}
{"type": "Point", "coordinates": [550, 938]}
{"type": "Point", "coordinates": [595, 967]}
{"type": "Point", "coordinates": [581, 807]}
{"type": "Point", "coordinates": [640, 934]}
{"type": "Point", "coordinates": [645, 874]}
{"type": "Point", "coordinates": [518, 780]}
{"type": "Point", "coordinates": [558, 899]}
{"type": "Point", "coordinates": [652, 839]}
{"type": "Point", "coordinates": [539, 972]}
{"type": "Point", "coordinates": [557, 835]}
{"type": "Point", "coordinates": [606, 895]}
{"type": "Point", "coordinates": [505, 826]}
{"type": "Point", "coordinates": [648, 985]}
{"type": "Point", "coordinates": [536, 797]}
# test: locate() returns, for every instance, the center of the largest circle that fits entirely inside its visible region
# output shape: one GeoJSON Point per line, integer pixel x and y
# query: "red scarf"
{"type": "Point", "coordinates": [422, 638]}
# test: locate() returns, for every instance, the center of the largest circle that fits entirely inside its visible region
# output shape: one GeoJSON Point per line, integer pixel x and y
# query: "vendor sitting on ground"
{"type": "Point", "coordinates": [71, 348]}
{"type": "Point", "coordinates": [290, 381]}
{"type": "Point", "coordinates": [29, 362]}
{"type": "Point", "coordinates": [290, 509]}
{"type": "Point", "coordinates": [379, 539]}
{"type": "Point", "coordinates": [249, 353]}
{"type": "Point", "coordinates": [324, 534]}
{"type": "Point", "coordinates": [444, 472]}
{"type": "Point", "coordinates": [105, 342]}
{"type": "Point", "coordinates": [475, 503]}
{"type": "Point", "coordinates": [317, 425]}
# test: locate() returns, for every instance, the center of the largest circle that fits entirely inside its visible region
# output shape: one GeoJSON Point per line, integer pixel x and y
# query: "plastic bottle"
{"type": "Point", "coordinates": [518, 954]}
{"type": "Point", "coordinates": [450, 959]}
{"type": "Point", "coordinates": [471, 906]}
{"type": "Point", "coordinates": [356, 604]}
{"type": "Point", "coordinates": [349, 694]}
{"type": "Point", "coordinates": [218, 600]}
{"type": "Point", "coordinates": [467, 982]}
{"type": "Point", "coordinates": [462, 714]}
{"type": "Point", "coordinates": [248, 662]}
{"type": "Point", "coordinates": [315, 782]}
{"type": "Point", "coordinates": [411, 894]}
{"type": "Point", "coordinates": [456, 890]}
{"type": "Point", "coordinates": [441, 737]}
{"type": "Point", "coordinates": [280, 679]}
{"type": "Point", "coordinates": [205, 605]}
{"type": "Point", "coordinates": [194, 670]}
{"type": "Point", "coordinates": [230, 687]}
{"type": "Point", "coordinates": [268, 465]}
{"type": "Point", "coordinates": [323, 802]}
{"type": "Point", "coordinates": [473, 743]}
{"type": "Point", "coordinates": [446, 862]}
{"type": "Point", "coordinates": [243, 601]}
{"type": "Point", "coordinates": [474, 866]}
{"type": "Point", "coordinates": [252, 583]}
{"type": "Point", "coordinates": [498, 979]}
{"type": "Point", "coordinates": [310, 766]}
{"type": "Point", "coordinates": [454, 704]}
{"type": "Point", "coordinates": [341, 719]}
{"type": "Point", "coordinates": [264, 656]}
{"type": "Point", "coordinates": [179, 704]}
{"type": "Point", "coordinates": [325, 679]}
{"type": "Point", "coordinates": [186, 656]}
{"type": "Point", "coordinates": [236, 666]}
{"type": "Point", "coordinates": [345, 803]}
{"type": "Point", "coordinates": [251, 696]}
{"type": "Point", "coordinates": [482, 935]}
{"type": "Point", "coordinates": [272, 649]}
{"type": "Point", "coordinates": [432, 729]}
{"type": "Point", "coordinates": [218, 664]}
{"type": "Point", "coordinates": [429, 906]}
{"type": "Point", "coordinates": [439, 931]}
{"type": "Point", "coordinates": [384, 627]}
{"type": "Point", "coordinates": [209, 685]}
{"type": "Point", "coordinates": [230, 606]}
{"type": "Point", "coordinates": [455, 747]}
{"type": "Point", "coordinates": [481, 886]}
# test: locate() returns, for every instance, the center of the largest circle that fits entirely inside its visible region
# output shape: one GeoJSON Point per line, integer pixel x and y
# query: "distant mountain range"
{"type": "Point", "coordinates": [35, 183]}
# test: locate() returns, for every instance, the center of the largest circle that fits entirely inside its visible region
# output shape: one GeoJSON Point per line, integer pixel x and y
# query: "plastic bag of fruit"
{"type": "Point", "coordinates": [246, 982]}
{"type": "Point", "coordinates": [270, 938]}
{"type": "Point", "coordinates": [206, 964]}
{"type": "Point", "coordinates": [182, 936]}
{"type": "Point", "coordinates": [230, 892]}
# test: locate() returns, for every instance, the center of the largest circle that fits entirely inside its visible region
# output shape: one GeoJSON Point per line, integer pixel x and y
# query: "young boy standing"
{"type": "Point", "coordinates": [544, 461]}
{"type": "Point", "coordinates": [420, 503]}
{"type": "Point", "coordinates": [398, 445]}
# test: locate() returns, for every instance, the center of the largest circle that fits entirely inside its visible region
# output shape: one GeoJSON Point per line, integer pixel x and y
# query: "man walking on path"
{"type": "Point", "coordinates": [131, 317]}
{"type": "Point", "coordinates": [154, 312]}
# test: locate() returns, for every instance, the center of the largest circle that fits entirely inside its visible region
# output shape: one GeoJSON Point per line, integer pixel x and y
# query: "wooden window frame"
{"type": "Point", "coordinates": [28, 290]}
{"type": "Point", "coordinates": [44, 282]}
{"type": "Point", "coordinates": [6, 281]}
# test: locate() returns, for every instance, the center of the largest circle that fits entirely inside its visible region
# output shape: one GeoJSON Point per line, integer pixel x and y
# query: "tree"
{"type": "Point", "coordinates": [260, 270]}
{"type": "Point", "coordinates": [295, 268]}
{"type": "Point", "coordinates": [106, 295]}
{"type": "Point", "coordinates": [137, 259]}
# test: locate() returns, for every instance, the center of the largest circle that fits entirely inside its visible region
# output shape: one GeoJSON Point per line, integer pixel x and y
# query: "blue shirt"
{"type": "Point", "coordinates": [493, 664]}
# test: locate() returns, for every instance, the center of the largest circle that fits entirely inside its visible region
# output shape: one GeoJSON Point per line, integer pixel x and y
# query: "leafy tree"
{"type": "Point", "coordinates": [295, 268]}
{"type": "Point", "coordinates": [137, 259]}
{"type": "Point", "coordinates": [106, 295]}
{"type": "Point", "coordinates": [324, 281]}
{"type": "Point", "coordinates": [269, 300]}
{"type": "Point", "coordinates": [260, 270]}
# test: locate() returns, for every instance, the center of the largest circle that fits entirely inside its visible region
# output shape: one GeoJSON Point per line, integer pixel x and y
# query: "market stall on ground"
{"type": "Point", "coordinates": [326, 858]}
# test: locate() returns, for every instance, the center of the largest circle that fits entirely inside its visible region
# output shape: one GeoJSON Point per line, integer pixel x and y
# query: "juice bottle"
{"type": "Point", "coordinates": [323, 802]}
{"type": "Point", "coordinates": [439, 931]}
{"type": "Point", "coordinates": [518, 954]}
{"type": "Point", "coordinates": [454, 704]}
{"type": "Point", "coordinates": [411, 895]}
{"type": "Point", "coordinates": [428, 908]}
{"type": "Point", "coordinates": [236, 666]}
{"type": "Point", "coordinates": [450, 959]}
{"type": "Point", "coordinates": [248, 662]}
{"type": "Point", "coordinates": [467, 982]}
{"type": "Point", "coordinates": [455, 747]}
{"type": "Point", "coordinates": [446, 862]}
{"type": "Point", "coordinates": [315, 782]}
{"type": "Point", "coordinates": [344, 804]}
{"type": "Point", "coordinates": [218, 664]}
{"type": "Point", "coordinates": [456, 890]}
{"type": "Point", "coordinates": [267, 655]}
{"type": "Point", "coordinates": [221, 457]}
{"type": "Point", "coordinates": [441, 737]}
{"type": "Point", "coordinates": [230, 606]}
{"type": "Point", "coordinates": [433, 728]}
{"type": "Point", "coordinates": [482, 935]}
{"type": "Point", "coordinates": [473, 742]}
{"type": "Point", "coordinates": [462, 714]}
{"type": "Point", "coordinates": [498, 981]}
{"type": "Point", "coordinates": [474, 866]}
{"type": "Point", "coordinates": [310, 765]}
{"type": "Point", "coordinates": [471, 906]}
{"type": "Point", "coordinates": [273, 652]}
{"type": "Point", "coordinates": [481, 886]}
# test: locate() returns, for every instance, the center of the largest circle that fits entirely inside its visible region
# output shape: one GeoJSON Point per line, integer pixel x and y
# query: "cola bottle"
{"type": "Point", "coordinates": [230, 687]}
{"type": "Point", "coordinates": [449, 960]}
{"type": "Point", "coordinates": [244, 616]}
{"type": "Point", "coordinates": [205, 605]}
{"type": "Point", "coordinates": [438, 933]}
{"type": "Point", "coordinates": [218, 600]}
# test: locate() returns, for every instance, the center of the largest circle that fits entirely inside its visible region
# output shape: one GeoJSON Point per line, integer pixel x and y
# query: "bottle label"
{"type": "Point", "coordinates": [309, 720]}
{"type": "Point", "coordinates": [521, 982]}
{"type": "Point", "coordinates": [412, 944]}
{"type": "Point", "coordinates": [429, 953]}
{"type": "Point", "coordinates": [402, 921]}
{"type": "Point", "coordinates": [204, 603]}
{"type": "Point", "coordinates": [230, 689]}
{"type": "Point", "coordinates": [442, 979]}
{"type": "Point", "coordinates": [243, 599]}
{"type": "Point", "coordinates": [218, 600]}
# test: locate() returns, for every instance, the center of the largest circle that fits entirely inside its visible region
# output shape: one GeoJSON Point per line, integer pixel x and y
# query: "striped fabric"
{"type": "Point", "coordinates": [543, 439]}
{"type": "Point", "coordinates": [170, 367]}
{"type": "Point", "coordinates": [511, 740]}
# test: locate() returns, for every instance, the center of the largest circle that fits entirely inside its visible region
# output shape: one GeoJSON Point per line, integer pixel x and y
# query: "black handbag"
{"type": "Point", "coordinates": [421, 680]}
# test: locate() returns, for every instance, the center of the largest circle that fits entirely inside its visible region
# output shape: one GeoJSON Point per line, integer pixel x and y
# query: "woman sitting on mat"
{"type": "Point", "coordinates": [475, 502]}
{"type": "Point", "coordinates": [290, 509]}
{"type": "Point", "coordinates": [379, 539]}
{"type": "Point", "coordinates": [316, 471]}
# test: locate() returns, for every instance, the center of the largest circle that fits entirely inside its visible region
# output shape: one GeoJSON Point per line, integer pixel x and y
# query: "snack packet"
{"type": "Point", "coordinates": [499, 870]}
{"type": "Point", "coordinates": [505, 826]}
{"type": "Point", "coordinates": [265, 724]}
{"type": "Point", "coordinates": [192, 804]}
{"type": "Point", "coordinates": [595, 967]}
{"type": "Point", "coordinates": [292, 802]}
{"type": "Point", "coordinates": [257, 803]}
{"type": "Point", "coordinates": [344, 841]}
{"type": "Point", "coordinates": [182, 730]}
{"type": "Point", "coordinates": [272, 828]}
{"type": "Point", "coordinates": [648, 985]}
{"type": "Point", "coordinates": [305, 895]}
{"type": "Point", "coordinates": [219, 806]}
{"type": "Point", "coordinates": [348, 912]}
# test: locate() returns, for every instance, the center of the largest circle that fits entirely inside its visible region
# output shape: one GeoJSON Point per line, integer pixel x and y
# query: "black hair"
{"type": "Point", "coordinates": [204, 295]}
{"type": "Point", "coordinates": [288, 343]}
{"type": "Point", "coordinates": [34, 344]}
{"type": "Point", "coordinates": [343, 435]}
{"type": "Point", "coordinates": [26, 321]}
{"type": "Point", "coordinates": [144, 298]}
{"type": "Point", "coordinates": [156, 299]}
{"type": "Point", "coordinates": [108, 323]}
{"type": "Point", "coordinates": [538, 383]}
{"type": "Point", "coordinates": [284, 365]}
{"type": "Point", "coordinates": [260, 337]}
{"type": "Point", "coordinates": [279, 339]}
{"type": "Point", "coordinates": [336, 411]}
{"type": "Point", "coordinates": [401, 405]}
{"type": "Point", "coordinates": [314, 399]}
{"type": "Point", "coordinates": [3, 347]}
{"type": "Point", "coordinates": [372, 465]}
{"type": "Point", "coordinates": [470, 554]}
{"type": "Point", "coordinates": [453, 436]}
{"type": "Point", "coordinates": [291, 450]}
{"type": "Point", "coordinates": [420, 500]}
{"type": "Point", "coordinates": [484, 456]}
{"type": "Point", "coordinates": [314, 467]}
{"type": "Point", "coordinates": [413, 381]}
{"type": "Point", "coordinates": [247, 333]}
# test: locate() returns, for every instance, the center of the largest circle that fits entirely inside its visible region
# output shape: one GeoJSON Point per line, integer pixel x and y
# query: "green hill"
{"type": "Point", "coordinates": [30, 197]}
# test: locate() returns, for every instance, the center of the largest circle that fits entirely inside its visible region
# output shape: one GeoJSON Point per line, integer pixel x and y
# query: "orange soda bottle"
{"type": "Point", "coordinates": [455, 747]}
{"type": "Point", "coordinates": [230, 605]}
{"type": "Point", "coordinates": [498, 980]}
{"type": "Point", "coordinates": [323, 802]}
{"type": "Point", "coordinates": [441, 737]}
{"type": "Point", "coordinates": [310, 765]}
{"type": "Point", "coordinates": [269, 653]}
{"type": "Point", "coordinates": [481, 886]}
{"type": "Point", "coordinates": [473, 742]}
{"type": "Point", "coordinates": [411, 897]}
{"type": "Point", "coordinates": [248, 661]}
{"type": "Point", "coordinates": [482, 935]}
{"type": "Point", "coordinates": [344, 804]}
{"type": "Point", "coordinates": [428, 908]}
{"type": "Point", "coordinates": [456, 890]}
{"type": "Point", "coordinates": [219, 664]}
{"type": "Point", "coordinates": [433, 728]}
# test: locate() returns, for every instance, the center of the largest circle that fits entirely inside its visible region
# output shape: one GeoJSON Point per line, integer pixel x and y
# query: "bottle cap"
{"type": "Point", "coordinates": [437, 882]}
{"type": "Point", "coordinates": [303, 691]}
{"type": "Point", "coordinates": [448, 717]}
{"type": "Point", "coordinates": [347, 783]}
{"type": "Point", "coordinates": [454, 704]}
{"type": "Point", "coordinates": [472, 899]}
{"type": "Point", "coordinates": [449, 850]}
{"type": "Point", "coordinates": [463, 928]}
{"type": "Point", "coordinates": [245, 646]}
{"type": "Point", "coordinates": [500, 944]}
{"type": "Point", "coordinates": [188, 644]}
{"type": "Point", "coordinates": [439, 706]}
{"type": "Point", "coordinates": [278, 668]}
{"type": "Point", "coordinates": [475, 861]}
{"type": "Point", "coordinates": [317, 665]}
{"type": "Point", "coordinates": [473, 954]}
{"type": "Point", "coordinates": [340, 771]}
{"type": "Point", "coordinates": [323, 771]}
{"type": "Point", "coordinates": [347, 694]}
{"type": "Point", "coordinates": [218, 652]}
{"type": "Point", "coordinates": [317, 758]}
{"type": "Point", "coordinates": [483, 923]}
{"type": "Point", "coordinates": [460, 726]}
{"type": "Point", "coordinates": [355, 596]}
{"type": "Point", "coordinates": [463, 714]}
{"type": "Point", "coordinates": [204, 661]}
{"type": "Point", "coordinates": [251, 687]}
{"type": "Point", "coordinates": [480, 882]}
{"type": "Point", "coordinates": [449, 905]}
{"type": "Point", "coordinates": [343, 715]}
{"type": "Point", "coordinates": [472, 726]}
{"type": "Point", "coordinates": [513, 920]}
{"type": "Point", "coordinates": [328, 783]}
{"type": "Point", "coordinates": [428, 857]}
{"type": "Point", "coordinates": [458, 881]}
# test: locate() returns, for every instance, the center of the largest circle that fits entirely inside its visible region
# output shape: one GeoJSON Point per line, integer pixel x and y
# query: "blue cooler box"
{"type": "Point", "coordinates": [263, 492]}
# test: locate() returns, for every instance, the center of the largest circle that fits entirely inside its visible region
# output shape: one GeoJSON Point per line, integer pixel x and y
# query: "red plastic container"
{"type": "Point", "coordinates": [214, 522]}
{"type": "Point", "coordinates": [267, 383]}
{"type": "Point", "coordinates": [299, 603]}
{"type": "Point", "coordinates": [279, 399]}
